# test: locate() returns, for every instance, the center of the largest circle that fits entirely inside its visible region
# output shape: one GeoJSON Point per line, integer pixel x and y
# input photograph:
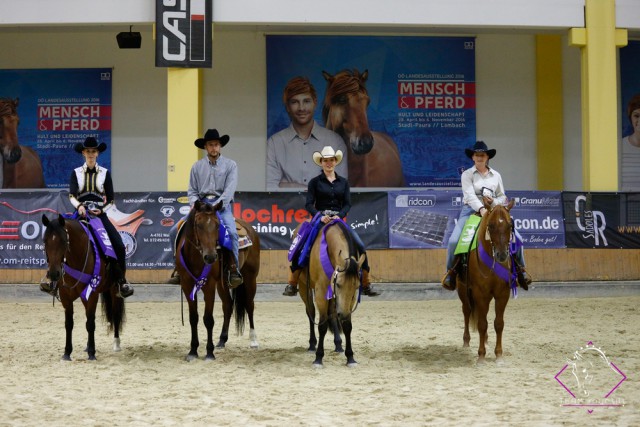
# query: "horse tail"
{"type": "Point", "coordinates": [113, 311]}
{"type": "Point", "coordinates": [239, 297]}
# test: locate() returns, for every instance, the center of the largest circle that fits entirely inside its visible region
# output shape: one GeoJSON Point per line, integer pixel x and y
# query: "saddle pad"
{"type": "Point", "coordinates": [244, 242]}
{"type": "Point", "coordinates": [423, 226]}
{"type": "Point", "coordinates": [241, 230]}
{"type": "Point", "coordinates": [468, 239]}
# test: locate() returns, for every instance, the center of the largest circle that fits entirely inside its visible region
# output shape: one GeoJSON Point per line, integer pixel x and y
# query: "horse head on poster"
{"type": "Point", "coordinates": [373, 158]}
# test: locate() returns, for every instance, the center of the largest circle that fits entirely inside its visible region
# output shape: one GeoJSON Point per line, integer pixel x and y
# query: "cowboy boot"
{"type": "Point", "coordinates": [292, 287]}
{"type": "Point", "coordinates": [124, 288]}
{"type": "Point", "coordinates": [524, 280]}
{"type": "Point", "coordinates": [449, 280]}
{"type": "Point", "coordinates": [235, 278]}
{"type": "Point", "coordinates": [367, 289]}
{"type": "Point", "coordinates": [174, 279]}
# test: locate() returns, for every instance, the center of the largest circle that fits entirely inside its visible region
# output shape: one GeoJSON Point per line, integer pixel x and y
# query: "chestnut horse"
{"type": "Point", "coordinates": [77, 269]}
{"type": "Point", "coordinates": [490, 274]}
{"type": "Point", "coordinates": [201, 262]}
{"type": "Point", "coordinates": [333, 274]}
{"type": "Point", "coordinates": [373, 159]}
{"type": "Point", "coordinates": [21, 166]}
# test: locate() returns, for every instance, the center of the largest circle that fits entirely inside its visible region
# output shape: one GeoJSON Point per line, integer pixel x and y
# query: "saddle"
{"type": "Point", "coordinates": [244, 241]}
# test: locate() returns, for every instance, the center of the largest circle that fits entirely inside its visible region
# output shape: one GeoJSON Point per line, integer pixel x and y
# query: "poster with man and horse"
{"type": "Point", "coordinates": [404, 106]}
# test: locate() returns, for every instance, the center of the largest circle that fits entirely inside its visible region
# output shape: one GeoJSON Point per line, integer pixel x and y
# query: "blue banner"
{"type": "Point", "coordinates": [629, 148]}
{"type": "Point", "coordinates": [426, 219]}
{"type": "Point", "coordinates": [59, 108]}
{"type": "Point", "coordinates": [421, 94]}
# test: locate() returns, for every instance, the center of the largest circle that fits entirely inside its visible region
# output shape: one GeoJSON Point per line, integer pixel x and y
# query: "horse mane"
{"type": "Point", "coordinates": [8, 107]}
{"type": "Point", "coordinates": [352, 268]}
{"type": "Point", "coordinates": [345, 81]}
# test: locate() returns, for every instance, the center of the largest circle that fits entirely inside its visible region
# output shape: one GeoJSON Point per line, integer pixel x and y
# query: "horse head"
{"type": "Point", "coordinates": [345, 109]}
{"type": "Point", "coordinates": [346, 281]}
{"type": "Point", "coordinates": [499, 230]}
{"type": "Point", "coordinates": [9, 120]}
{"type": "Point", "coordinates": [206, 229]}
{"type": "Point", "coordinates": [56, 246]}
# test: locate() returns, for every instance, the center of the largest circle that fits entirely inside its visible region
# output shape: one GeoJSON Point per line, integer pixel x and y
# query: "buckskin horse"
{"type": "Point", "coordinates": [490, 274]}
{"type": "Point", "coordinates": [333, 276]}
{"type": "Point", "coordinates": [199, 261]}
{"type": "Point", "coordinates": [75, 269]}
{"type": "Point", "coordinates": [21, 166]}
{"type": "Point", "coordinates": [373, 158]}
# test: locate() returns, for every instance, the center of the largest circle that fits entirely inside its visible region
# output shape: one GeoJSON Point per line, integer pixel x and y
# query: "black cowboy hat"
{"type": "Point", "coordinates": [211, 135]}
{"type": "Point", "coordinates": [480, 147]}
{"type": "Point", "coordinates": [90, 142]}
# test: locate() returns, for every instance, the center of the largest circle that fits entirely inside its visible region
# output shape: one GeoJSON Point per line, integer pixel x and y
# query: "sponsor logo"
{"type": "Point", "coordinates": [167, 210]}
{"type": "Point", "coordinates": [406, 201]}
{"type": "Point", "coordinates": [167, 222]}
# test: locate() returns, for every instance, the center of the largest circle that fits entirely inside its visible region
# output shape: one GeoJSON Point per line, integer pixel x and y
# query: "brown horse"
{"type": "Point", "coordinates": [21, 165]}
{"type": "Point", "coordinates": [330, 284]}
{"type": "Point", "coordinates": [201, 264]}
{"type": "Point", "coordinates": [373, 158]}
{"type": "Point", "coordinates": [76, 269]}
{"type": "Point", "coordinates": [490, 272]}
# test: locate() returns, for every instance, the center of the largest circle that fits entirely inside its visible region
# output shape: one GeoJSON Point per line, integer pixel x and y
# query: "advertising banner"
{"type": "Point", "coordinates": [629, 148]}
{"type": "Point", "coordinates": [183, 33]}
{"type": "Point", "coordinates": [416, 94]}
{"type": "Point", "coordinates": [602, 220]}
{"type": "Point", "coordinates": [57, 109]}
{"type": "Point", "coordinates": [426, 219]}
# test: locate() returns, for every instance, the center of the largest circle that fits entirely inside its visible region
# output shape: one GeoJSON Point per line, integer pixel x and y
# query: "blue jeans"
{"type": "Point", "coordinates": [465, 213]}
{"type": "Point", "coordinates": [228, 220]}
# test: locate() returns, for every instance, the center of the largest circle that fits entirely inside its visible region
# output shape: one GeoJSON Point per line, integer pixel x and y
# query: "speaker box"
{"type": "Point", "coordinates": [129, 40]}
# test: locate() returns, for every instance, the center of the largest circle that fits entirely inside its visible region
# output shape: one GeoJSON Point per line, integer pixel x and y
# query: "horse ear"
{"type": "Point", "coordinates": [45, 220]}
{"type": "Point", "coordinates": [197, 205]}
{"type": "Point", "coordinates": [511, 203]}
{"type": "Point", "coordinates": [61, 220]}
{"type": "Point", "coordinates": [326, 76]}
{"type": "Point", "coordinates": [487, 236]}
{"type": "Point", "coordinates": [365, 75]}
{"type": "Point", "coordinates": [218, 206]}
{"type": "Point", "coordinates": [361, 260]}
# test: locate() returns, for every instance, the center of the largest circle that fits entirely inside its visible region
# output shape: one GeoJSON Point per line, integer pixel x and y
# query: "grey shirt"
{"type": "Point", "coordinates": [219, 178]}
{"type": "Point", "coordinates": [290, 158]}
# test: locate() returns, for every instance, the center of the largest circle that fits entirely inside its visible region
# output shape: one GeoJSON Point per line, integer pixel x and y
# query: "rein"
{"type": "Point", "coordinates": [91, 280]}
{"type": "Point", "coordinates": [508, 275]}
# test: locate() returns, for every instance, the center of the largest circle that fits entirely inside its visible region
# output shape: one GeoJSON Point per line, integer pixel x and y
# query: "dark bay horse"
{"type": "Point", "coordinates": [330, 284]}
{"type": "Point", "coordinates": [490, 275]}
{"type": "Point", "coordinates": [373, 158]}
{"type": "Point", "coordinates": [76, 269]}
{"type": "Point", "coordinates": [199, 261]}
{"type": "Point", "coordinates": [21, 165]}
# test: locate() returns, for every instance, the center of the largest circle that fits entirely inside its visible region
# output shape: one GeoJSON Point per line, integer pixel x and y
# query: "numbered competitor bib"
{"type": "Point", "coordinates": [467, 239]}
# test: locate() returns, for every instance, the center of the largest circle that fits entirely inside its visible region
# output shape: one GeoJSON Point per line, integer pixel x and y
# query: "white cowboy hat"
{"type": "Point", "coordinates": [327, 153]}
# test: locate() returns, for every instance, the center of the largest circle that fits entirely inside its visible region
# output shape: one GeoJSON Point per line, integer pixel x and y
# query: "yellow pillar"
{"type": "Point", "coordinates": [550, 119]}
{"type": "Point", "coordinates": [598, 43]}
{"type": "Point", "coordinates": [184, 124]}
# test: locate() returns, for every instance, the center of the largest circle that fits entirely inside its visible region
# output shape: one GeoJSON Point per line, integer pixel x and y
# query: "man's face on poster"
{"type": "Point", "coordinates": [300, 108]}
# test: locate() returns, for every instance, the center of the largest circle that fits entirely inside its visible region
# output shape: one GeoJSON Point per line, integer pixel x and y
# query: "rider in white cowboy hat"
{"type": "Point", "coordinates": [477, 182]}
{"type": "Point", "coordinates": [330, 193]}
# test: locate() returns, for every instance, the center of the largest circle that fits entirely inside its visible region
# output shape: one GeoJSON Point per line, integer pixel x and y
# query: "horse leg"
{"type": "Point", "coordinates": [346, 328]}
{"type": "Point", "coordinates": [498, 324]}
{"type": "Point", "coordinates": [250, 306]}
{"type": "Point", "coordinates": [91, 327]}
{"type": "Point", "coordinates": [193, 322]}
{"type": "Point", "coordinates": [227, 310]}
{"type": "Point", "coordinates": [311, 315]}
{"type": "Point", "coordinates": [466, 311]}
{"type": "Point", "coordinates": [68, 327]}
{"type": "Point", "coordinates": [482, 308]}
{"type": "Point", "coordinates": [323, 327]}
{"type": "Point", "coordinates": [207, 318]}
{"type": "Point", "coordinates": [117, 306]}
{"type": "Point", "coordinates": [337, 339]}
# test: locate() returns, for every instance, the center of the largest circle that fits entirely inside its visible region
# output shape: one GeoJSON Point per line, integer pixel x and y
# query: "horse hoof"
{"type": "Point", "coordinates": [191, 357]}
{"type": "Point", "coordinates": [339, 350]}
{"type": "Point", "coordinates": [116, 344]}
{"type": "Point", "coordinates": [220, 346]}
{"type": "Point", "coordinates": [91, 358]}
{"type": "Point", "coordinates": [318, 365]}
{"type": "Point", "coordinates": [66, 358]}
{"type": "Point", "coordinates": [210, 358]}
{"type": "Point", "coordinates": [500, 361]}
{"type": "Point", "coordinates": [254, 344]}
{"type": "Point", "coordinates": [352, 364]}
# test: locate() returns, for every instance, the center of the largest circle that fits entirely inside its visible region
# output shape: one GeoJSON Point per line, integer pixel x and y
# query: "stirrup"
{"type": "Point", "coordinates": [449, 280]}
{"type": "Point", "coordinates": [125, 290]}
{"type": "Point", "coordinates": [49, 288]}
{"type": "Point", "coordinates": [235, 279]}
{"type": "Point", "coordinates": [174, 279]}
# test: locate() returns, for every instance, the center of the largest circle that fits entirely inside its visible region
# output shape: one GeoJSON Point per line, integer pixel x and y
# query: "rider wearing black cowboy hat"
{"type": "Point", "coordinates": [91, 191]}
{"type": "Point", "coordinates": [477, 182]}
{"type": "Point", "coordinates": [215, 177]}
